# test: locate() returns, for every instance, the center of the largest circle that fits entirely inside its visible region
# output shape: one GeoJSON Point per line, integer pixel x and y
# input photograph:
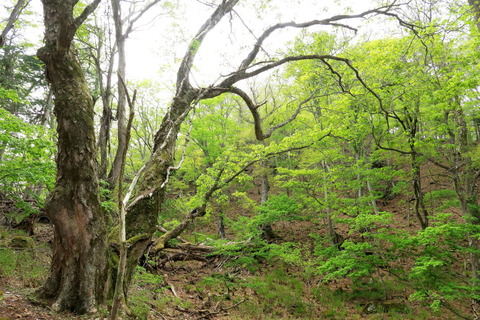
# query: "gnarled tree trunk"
{"type": "Point", "coordinates": [77, 276]}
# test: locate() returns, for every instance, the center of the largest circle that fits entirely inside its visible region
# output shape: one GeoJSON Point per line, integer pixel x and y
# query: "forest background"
{"type": "Point", "coordinates": [259, 172]}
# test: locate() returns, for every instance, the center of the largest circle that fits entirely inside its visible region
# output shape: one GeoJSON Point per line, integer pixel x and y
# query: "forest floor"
{"type": "Point", "coordinates": [210, 290]}
{"type": "Point", "coordinates": [211, 287]}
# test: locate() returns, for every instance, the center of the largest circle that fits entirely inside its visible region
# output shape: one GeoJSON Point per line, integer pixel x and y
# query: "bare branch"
{"type": "Point", "coordinates": [242, 75]}
{"type": "Point", "coordinates": [169, 169]}
{"type": "Point", "coordinates": [86, 12]}
{"type": "Point", "coordinates": [138, 16]}
{"type": "Point", "coordinates": [132, 186]}
{"type": "Point", "coordinates": [253, 110]}
{"type": "Point", "coordinates": [292, 117]}
{"type": "Point", "coordinates": [332, 21]}
{"type": "Point", "coordinates": [12, 19]}
{"type": "Point", "coordinates": [187, 61]}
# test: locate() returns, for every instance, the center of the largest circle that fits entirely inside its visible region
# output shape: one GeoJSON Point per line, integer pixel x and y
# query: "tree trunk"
{"type": "Point", "coordinates": [46, 118]}
{"type": "Point", "coordinates": [142, 213]}
{"type": "Point", "coordinates": [266, 229]}
{"type": "Point", "coordinates": [335, 238]}
{"type": "Point", "coordinates": [77, 278]}
{"type": "Point", "coordinates": [475, 4]}
{"type": "Point", "coordinates": [420, 209]}
{"type": "Point", "coordinates": [122, 97]}
{"type": "Point", "coordinates": [221, 225]}
{"type": "Point", "coordinates": [107, 116]}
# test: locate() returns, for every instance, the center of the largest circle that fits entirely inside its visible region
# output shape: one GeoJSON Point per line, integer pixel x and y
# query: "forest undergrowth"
{"type": "Point", "coordinates": [257, 281]}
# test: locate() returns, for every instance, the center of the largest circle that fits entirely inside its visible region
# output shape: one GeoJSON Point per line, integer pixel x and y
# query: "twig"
{"type": "Point", "coordinates": [235, 305]}
{"type": "Point", "coordinates": [172, 288]}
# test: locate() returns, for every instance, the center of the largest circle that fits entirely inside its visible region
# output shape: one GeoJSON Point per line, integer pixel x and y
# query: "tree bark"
{"type": "Point", "coordinates": [266, 229]}
{"type": "Point", "coordinates": [107, 116]}
{"type": "Point", "coordinates": [77, 278]}
{"type": "Point", "coordinates": [420, 209]}
{"type": "Point", "coordinates": [122, 100]}
{"type": "Point", "coordinates": [475, 4]}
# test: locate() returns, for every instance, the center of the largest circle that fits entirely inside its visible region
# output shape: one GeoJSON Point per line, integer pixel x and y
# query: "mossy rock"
{"type": "Point", "coordinates": [21, 242]}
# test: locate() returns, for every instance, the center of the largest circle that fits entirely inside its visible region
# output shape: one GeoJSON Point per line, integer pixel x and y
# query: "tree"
{"type": "Point", "coordinates": [77, 277]}
{"type": "Point", "coordinates": [122, 31]}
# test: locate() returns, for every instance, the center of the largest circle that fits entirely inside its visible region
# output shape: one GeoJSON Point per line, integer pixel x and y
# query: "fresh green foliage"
{"type": "Point", "coordinates": [27, 168]}
{"type": "Point", "coordinates": [21, 260]}
{"type": "Point", "coordinates": [146, 283]}
{"type": "Point", "coordinates": [282, 296]}
{"type": "Point", "coordinates": [387, 134]}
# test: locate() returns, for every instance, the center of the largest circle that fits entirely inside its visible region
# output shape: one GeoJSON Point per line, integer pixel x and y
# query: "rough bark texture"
{"type": "Point", "coordinates": [141, 219]}
{"type": "Point", "coordinates": [77, 276]}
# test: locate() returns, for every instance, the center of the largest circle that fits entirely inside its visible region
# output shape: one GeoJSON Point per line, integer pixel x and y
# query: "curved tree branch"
{"type": "Point", "coordinates": [332, 21]}
{"type": "Point", "coordinates": [183, 82]}
{"type": "Point", "coordinates": [86, 12]}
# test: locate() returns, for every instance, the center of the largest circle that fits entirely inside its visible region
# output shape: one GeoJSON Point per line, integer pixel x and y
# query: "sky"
{"type": "Point", "coordinates": [162, 46]}
{"type": "Point", "coordinates": [156, 48]}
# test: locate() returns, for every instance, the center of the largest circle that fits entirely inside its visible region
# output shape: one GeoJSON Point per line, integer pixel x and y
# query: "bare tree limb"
{"type": "Point", "coordinates": [86, 12]}
{"type": "Point", "coordinates": [329, 21]}
{"type": "Point", "coordinates": [138, 15]}
{"type": "Point", "coordinates": [12, 19]}
{"type": "Point", "coordinates": [183, 82]}
{"type": "Point", "coordinates": [292, 117]}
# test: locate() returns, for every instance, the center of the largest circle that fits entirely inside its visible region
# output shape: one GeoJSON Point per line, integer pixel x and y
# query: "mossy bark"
{"type": "Point", "coordinates": [142, 214]}
{"type": "Point", "coordinates": [78, 271]}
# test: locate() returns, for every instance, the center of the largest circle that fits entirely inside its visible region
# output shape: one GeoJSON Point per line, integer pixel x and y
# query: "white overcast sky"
{"type": "Point", "coordinates": [154, 51]}
{"type": "Point", "coordinates": [163, 45]}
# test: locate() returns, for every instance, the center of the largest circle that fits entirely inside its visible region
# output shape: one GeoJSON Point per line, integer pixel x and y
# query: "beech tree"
{"type": "Point", "coordinates": [78, 270]}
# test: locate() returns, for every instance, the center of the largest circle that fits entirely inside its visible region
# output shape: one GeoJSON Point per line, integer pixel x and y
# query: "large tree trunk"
{"type": "Point", "coordinates": [77, 276]}
{"type": "Point", "coordinates": [142, 214]}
